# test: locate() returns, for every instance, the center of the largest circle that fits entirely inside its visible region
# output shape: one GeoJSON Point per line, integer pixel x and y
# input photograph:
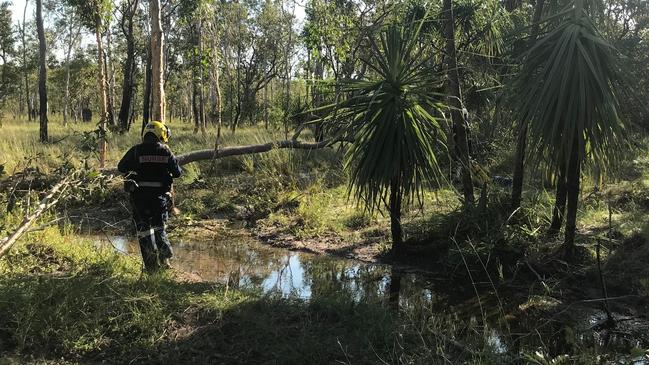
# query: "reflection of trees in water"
{"type": "Point", "coordinates": [232, 261]}
{"type": "Point", "coordinates": [347, 279]}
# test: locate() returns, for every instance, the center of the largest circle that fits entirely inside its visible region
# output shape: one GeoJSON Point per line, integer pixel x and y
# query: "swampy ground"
{"type": "Point", "coordinates": [275, 265]}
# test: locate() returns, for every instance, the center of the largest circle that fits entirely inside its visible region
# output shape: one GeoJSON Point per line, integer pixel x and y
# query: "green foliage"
{"type": "Point", "coordinates": [576, 99]}
{"type": "Point", "coordinates": [392, 121]}
{"type": "Point", "coordinates": [93, 11]}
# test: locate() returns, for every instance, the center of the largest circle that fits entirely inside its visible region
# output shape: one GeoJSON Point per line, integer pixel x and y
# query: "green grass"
{"type": "Point", "coordinates": [68, 300]}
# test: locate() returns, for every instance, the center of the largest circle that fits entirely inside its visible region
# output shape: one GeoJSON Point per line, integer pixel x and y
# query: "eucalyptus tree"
{"type": "Point", "coordinates": [128, 10]}
{"type": "Point", "coordinates": [391, 119]}
{"type": "Point", "coordinates": [25, 65]}
{"type": "Point", "coordinates": [8, 73]}
{"type": "Point", "coordinates": [194, 18]}
{"type": "Point", "coordinates": [95, 15]}
{"type": "Point", "coordinates": [67, 24]}
{"type": "Point", "coordinates": [157, 62]}
{"type": "Point", "coordinates": [568, 96]}
{"type": "Point", "coordinates": [42, 74]}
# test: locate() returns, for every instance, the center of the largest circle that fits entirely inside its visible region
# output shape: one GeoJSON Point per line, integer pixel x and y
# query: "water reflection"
{"type": "Point", "coordinates": [240, 262]}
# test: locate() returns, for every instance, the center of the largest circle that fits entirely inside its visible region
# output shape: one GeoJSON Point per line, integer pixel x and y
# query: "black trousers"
{"type": "Point", "coordinates": [150, 212]}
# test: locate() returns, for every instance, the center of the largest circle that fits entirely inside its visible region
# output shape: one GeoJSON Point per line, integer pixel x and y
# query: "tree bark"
{"type": "Point", "coordinates": [395, 214]}
{"type": "Point", "coordinates": [195, 109]}
{"type": "Point", "coordinates": [146, 100]}
{"type": "Point", "coordinates": [129, 67]}
{"type": "Point", "coordinates": [459, 124]}
{"type": "Point", "coordinates": [219, 100]}
{"type": "Point", "coordinates": [245, 150]}
{"type": "Point", "coordinates": [157, 66]}
{"type": "Point", "coordinates": [102, 92]}
{"type": "Point", "coordinates": [559, 209]}
{"type": "Point", "coordinates": [42, 74]}
{"type": "Point", "coordinates": [521, 142]}
{"type": "Point", "coordinates": [201, 78]}
{"type": "Point", "coordinates": [28, 97]}
{"type": "Point", "coordinates": [71, 43]}
{"type": "Point", "coordinates": [110, 79]}
{"type": "Point", "coordinates": [211, 154]}
{"type": "Point", "coordinates": [572, 188]}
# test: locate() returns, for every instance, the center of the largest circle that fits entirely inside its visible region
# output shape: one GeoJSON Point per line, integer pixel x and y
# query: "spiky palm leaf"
{"type": "Point", "coordinates": [392, 120]}
{"type": "Point", "coordinates": [567, 93]}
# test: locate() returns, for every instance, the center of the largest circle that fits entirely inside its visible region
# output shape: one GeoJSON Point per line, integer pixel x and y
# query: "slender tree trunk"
{"type": "Point", "coordinates": [521, 142]}
{"type": "Point", "coordinates": [42, 74]}
{"type": "Point", "coordinates": [71, 42]}
{"type": "Point", "coordinates": [572, 185]}
{"type": "Point", "coordinates": [28, 98]}
{"type": "Point", "coordinates": [129, 68]}
{"type": "Point", "coordinates": [395, 214]}
{"type": "Point", "coordinates": [146, 100]}
{"type": "Point", "coordinates": [219, 97]}
{"type": "Point", "coordinates": [110, 78]}
{"type": "Point", "coordinates": [201, 79]}
{"type": "Point", "coordinates": [238, 106]}
{"type": "Point", "coordinates": [459, 124]}
{"type": "Point", "coordinates": [157, 67]}
{"type": "Point", "coordinates": [195, 108]}
{"type": "Point", "coordinates": [102, 93]}
{"type": "Point", "coordinates": [559, 209]}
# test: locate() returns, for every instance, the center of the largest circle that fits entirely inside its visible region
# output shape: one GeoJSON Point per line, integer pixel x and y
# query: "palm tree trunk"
{"type": "Point", "coordinates": [459, 124]}
{"type": "Point", "coordinates": [572, 185]}
{"type": "Point", "coordinates": [42, 75]}
{"type": "Point", "coordinates": [521, 142]}
{"type": "Point", "coordinates": [395, 214]}
{"type": "Point", "coordinates": [559, 209]}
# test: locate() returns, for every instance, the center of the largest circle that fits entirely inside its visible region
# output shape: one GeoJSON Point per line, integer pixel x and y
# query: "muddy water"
{"type": "Point", "coordinates": [241, 262]}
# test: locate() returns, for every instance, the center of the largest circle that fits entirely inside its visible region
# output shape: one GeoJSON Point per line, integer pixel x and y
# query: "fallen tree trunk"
{"type": "Point", "coordinates": [211, 154]}
{"type": "Point", "coordinates": [46, 203]}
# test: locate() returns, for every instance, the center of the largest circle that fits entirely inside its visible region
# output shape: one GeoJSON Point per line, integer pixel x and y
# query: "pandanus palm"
{"type": "Point", "coordinates": [567, 94]}
{"type": "Point", "coordinates": [392, 122]}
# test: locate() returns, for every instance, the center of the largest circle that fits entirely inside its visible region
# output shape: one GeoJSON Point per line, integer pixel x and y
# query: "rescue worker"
{"type": "Point", "coordinates": [150, 168]}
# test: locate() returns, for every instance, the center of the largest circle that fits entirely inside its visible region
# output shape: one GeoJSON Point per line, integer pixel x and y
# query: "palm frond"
{"type": "Point", "coordinates": [393, 120]}
{"type": "Point", "coordinates": [567, 92]}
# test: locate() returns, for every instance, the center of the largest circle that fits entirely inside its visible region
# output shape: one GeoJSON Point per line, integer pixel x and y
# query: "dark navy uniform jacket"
{"type": "Point", "coordinates": [154, 164]}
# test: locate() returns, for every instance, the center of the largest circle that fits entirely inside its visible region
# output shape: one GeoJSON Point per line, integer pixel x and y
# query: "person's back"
{"type": "Point", "coordinates": [150, 168]}
{"type": "Point", "coordinates": [153, 165]}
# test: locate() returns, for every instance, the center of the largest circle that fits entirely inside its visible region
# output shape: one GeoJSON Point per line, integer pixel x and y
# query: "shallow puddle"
{"type": "Point", "coordinates": [241, 262]}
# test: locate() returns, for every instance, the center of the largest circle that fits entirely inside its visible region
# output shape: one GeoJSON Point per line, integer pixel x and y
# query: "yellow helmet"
{"type": "Point", "coordinates": [159, 129]}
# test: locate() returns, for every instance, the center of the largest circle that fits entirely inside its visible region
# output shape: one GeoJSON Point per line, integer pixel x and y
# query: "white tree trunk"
{"type": "Point", "coordinates": [157, 79]}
